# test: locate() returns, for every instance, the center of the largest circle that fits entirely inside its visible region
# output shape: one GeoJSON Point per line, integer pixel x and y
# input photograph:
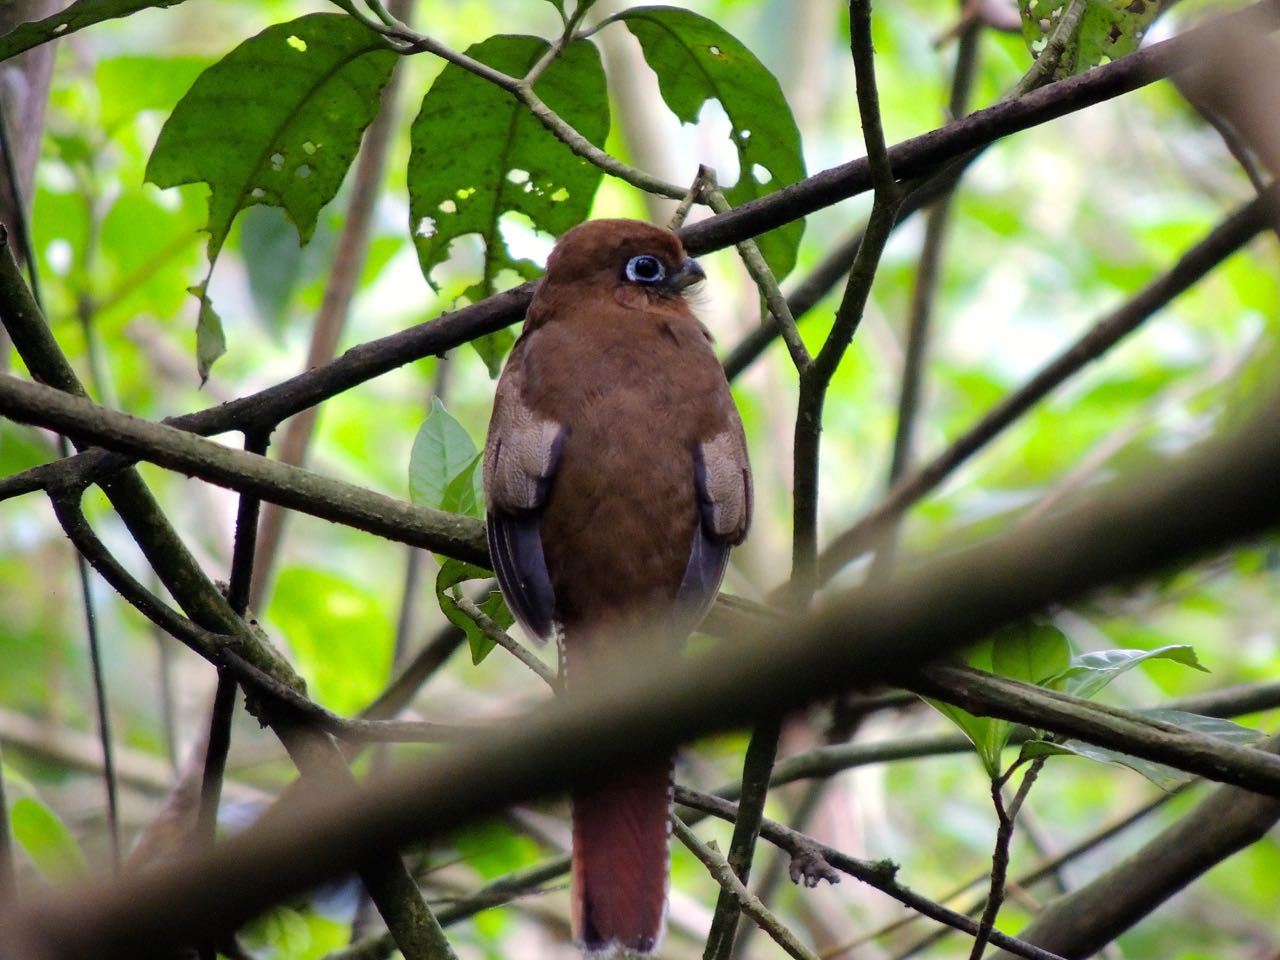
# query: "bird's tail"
{"type": "Point", "coordinates": [621, 852]}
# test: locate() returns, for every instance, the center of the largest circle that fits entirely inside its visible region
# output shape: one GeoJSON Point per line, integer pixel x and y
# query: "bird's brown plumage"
{"type": "Point", "coordinates": [616, 479]}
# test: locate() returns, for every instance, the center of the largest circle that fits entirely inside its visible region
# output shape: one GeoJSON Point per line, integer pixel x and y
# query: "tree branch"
{"type": "Point", "coordinates": [248, 473]}
{"type": "Point", "coordinates": [1222, 493]}
{"type": "Point", "coordinates": [1224, 240]}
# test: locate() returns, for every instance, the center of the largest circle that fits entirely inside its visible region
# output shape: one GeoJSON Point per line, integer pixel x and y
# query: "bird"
{"type": "Point", "coordinates": [616, 480]}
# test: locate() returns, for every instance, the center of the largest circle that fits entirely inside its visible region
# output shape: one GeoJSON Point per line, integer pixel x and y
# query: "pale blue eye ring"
{"type": "Point", "coordinates": [646, 269]}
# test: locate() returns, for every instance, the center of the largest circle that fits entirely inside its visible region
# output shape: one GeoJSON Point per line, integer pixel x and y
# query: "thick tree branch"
{"type": "Point", "coordinates": [1226, 821]}
{"type": "Point", "coordinates": [988, 695]}
{"type": "Point", "coordinates": [248, 473]}
{"type": "Point", "coordinates": [416, 931]}
{"type": "Point", "coordinates": [1202, 502]}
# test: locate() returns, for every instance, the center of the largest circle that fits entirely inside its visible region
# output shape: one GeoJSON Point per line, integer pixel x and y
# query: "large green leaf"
{"type": "Point", "coordinates": [476, 154]}
{"type": "Point", "coordinates": [696, 60]}
{"type": "Point", "coordinates": [276, 121]}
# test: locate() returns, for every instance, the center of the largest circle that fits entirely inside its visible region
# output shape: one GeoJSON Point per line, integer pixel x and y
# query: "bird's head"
{"type": "Point", "coordinates": [636, 261]}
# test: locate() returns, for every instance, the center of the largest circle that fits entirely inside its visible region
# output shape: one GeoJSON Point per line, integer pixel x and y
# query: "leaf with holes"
{"type": "Point", "coordinates": [1109, 29]}
{"type": "Point", "coordinates": [696, 61]}
{"type": "Point", "coordinates": [276, 121]}
{"type": "Point", "coordinates": [478, 158]}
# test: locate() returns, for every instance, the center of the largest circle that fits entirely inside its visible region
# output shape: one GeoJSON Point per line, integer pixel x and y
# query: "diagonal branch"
{"type": "Point", "coordinates": [249, 473]}
{"type": "Point", "coordinates": [1224, 240]}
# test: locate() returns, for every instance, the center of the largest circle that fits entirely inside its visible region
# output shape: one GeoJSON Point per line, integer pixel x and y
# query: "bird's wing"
{"type": "Point", "coordinates": [520, 458]}
{"type": "Point", "coordinates": [722, 477]}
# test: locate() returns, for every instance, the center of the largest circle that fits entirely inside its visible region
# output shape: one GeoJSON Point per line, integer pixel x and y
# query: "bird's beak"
{"type": "Point", "coordinates": [690, 272]}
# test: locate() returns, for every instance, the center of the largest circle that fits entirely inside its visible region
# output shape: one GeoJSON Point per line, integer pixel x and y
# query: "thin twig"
{"type": "Point", "coordinates": [757, 770]}
{"type": "Point", "coordinates": [816, 377]}
{"type": "Point", "coordinates": [509, 643]}
{"type": "Point", "coordinates": [813, 861]}
{"type": "Point", "coordinates": [1000, 855]}
{"type": "Point", "coordinates": [748, 903]}
{"type": "Point", "coordinates": [764, 280]}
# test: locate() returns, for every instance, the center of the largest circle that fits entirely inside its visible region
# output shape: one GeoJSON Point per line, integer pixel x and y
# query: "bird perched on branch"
{"type": "Point", "coordinates": [616, 480]}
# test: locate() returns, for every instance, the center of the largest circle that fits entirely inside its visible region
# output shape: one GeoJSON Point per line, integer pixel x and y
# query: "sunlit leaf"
{"type": "Point", "coordinates": [1030, 652]}
{"type": "Point", "coordinates": [464, 494]}
{"type": "Point", "coordinates": [697, 60]}
{"type": "Point", "coordinates": [1090, 672]}
{"type": "Point", "coordinates": [1109, 29]}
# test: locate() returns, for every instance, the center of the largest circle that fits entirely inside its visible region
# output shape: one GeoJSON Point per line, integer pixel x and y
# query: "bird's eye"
{"type": "Point", "coordinates": [646, 268]}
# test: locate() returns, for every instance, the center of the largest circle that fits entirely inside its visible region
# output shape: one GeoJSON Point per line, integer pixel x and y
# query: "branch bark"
{"type": "Point", "coordinates": [1201, 502]}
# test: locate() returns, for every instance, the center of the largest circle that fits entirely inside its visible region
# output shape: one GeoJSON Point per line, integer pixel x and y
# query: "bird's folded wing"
{"type": "Point", "coordinates": [722, 478]}
{"type": "Point", "coordinates": [520, 459]}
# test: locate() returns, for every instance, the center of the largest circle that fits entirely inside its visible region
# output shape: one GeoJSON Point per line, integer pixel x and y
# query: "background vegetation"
{"type": "Point", "coordinates": [1088, 217]}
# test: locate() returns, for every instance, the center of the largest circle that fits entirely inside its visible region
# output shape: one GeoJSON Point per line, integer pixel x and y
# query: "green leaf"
{"type": "Point", "coordinates": [340, 636]}
{"type": "Point", "coordinates": [211, 342]}
{"type": "Point", "coordinates": [464, 493]}
{"type": "Point", "coordinates": [1109, 29]}
{"type": "Point", "coordinates": [442, 451]}
{"type": "Point", "coordinates": [477, 155]}
{"type": "Point", "coordinates": [1030, 652]}
{"type": "Point", "coordinates": [1163, 776]}
{"type": "Point", "coordinates": [989, 735]}
{"type": "Point", "coordinates": [454, 572]}
{"type": "Point", "coordinates": [696, 60]}
{"type": "Point", "coordinates": [276, 121]}
{"type": "Point", "coordinates": [493, 349]}
{"type": "Point", "coordinates": [1090, 672]}
{"type": "Point", "coordinates": [47, 841]}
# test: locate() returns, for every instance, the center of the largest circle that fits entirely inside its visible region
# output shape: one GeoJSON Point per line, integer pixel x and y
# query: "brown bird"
{"type": "Point", "coordinates": [616, 480]}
